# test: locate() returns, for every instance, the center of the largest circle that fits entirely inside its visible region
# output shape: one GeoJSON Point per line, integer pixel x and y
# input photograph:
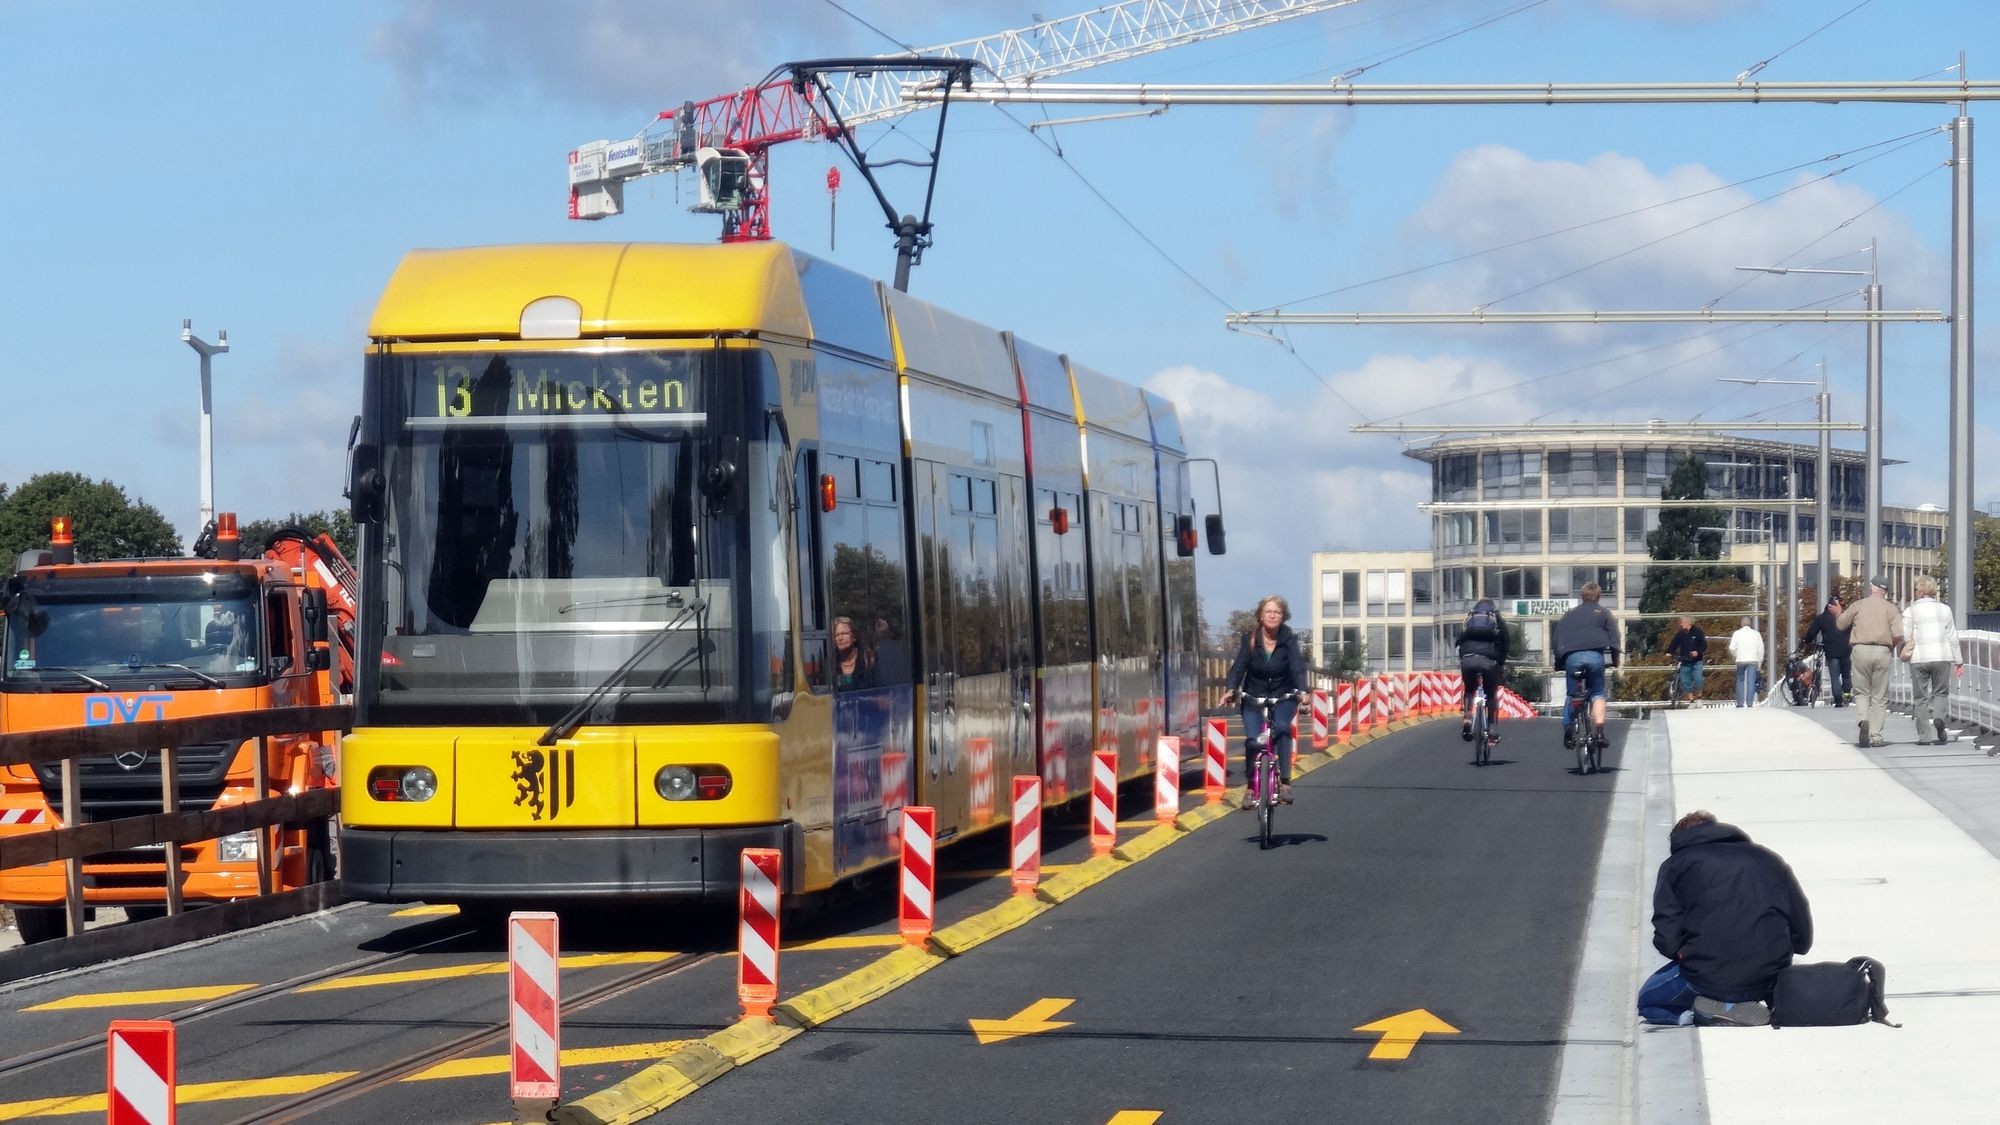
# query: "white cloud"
{"type": "Point", "coordinates": [1299, 146]}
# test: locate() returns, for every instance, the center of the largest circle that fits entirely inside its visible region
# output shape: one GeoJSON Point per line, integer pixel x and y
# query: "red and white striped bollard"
{"type": "Point", "coordinates": [1027, 834]}
{"type": "Point", "coordinates": [1103, 802]}
{"type": "Point", "coordinates": [918, 906]}
{"type": "Point", "coordinates": [1215, 748]}
{"type": "Point", "coordinates": [139, 1082]}
{"type": "Point", "coordinates": [757, 932]}
{"type": "Point", "coordinates": [534, 1006]}
{"type": "Point", "coordinates": [1167, 779]}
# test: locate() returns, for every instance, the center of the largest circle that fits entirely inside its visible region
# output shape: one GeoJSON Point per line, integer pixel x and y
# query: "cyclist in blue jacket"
{"type": "Point", "coordinates": [1269, 664]}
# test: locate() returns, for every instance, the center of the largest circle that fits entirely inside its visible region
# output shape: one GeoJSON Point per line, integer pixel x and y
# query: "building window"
{"type": "Point", "coordinates": [1584, 530]}
{"type": "Point", "coordinates": [1336, 597]}
{"type": "Point", "coordinates": [1639, 522]}
{"type": "Point", "coordinates": [1511, 475]}
{"type": "Point", "coordinates": [1421, 586]}
{"type": "Point", "coordinates": [1456, 478]}
{"type": "Point", "coordinates": [1399, 642]}
{"type": "Point", "coordinates": [1423, 639]}
{"type": "Point", "coordinates": [1514, 533]}
{"type": "Point", "coordinates": [1378, 643]}
{"type": "Point", "coordinates": [1511, 582]}
{"type": "Point", "coordinates": [1388, 592]}
{"type": "Point", "coordinates": [1647, 471]}
{"type": "Point", "coordinates": [1583, 472]}
{"type": "Point", "coordinates": [1568, 581]}
{"type": "Point", "coordinates": [1458, 534]}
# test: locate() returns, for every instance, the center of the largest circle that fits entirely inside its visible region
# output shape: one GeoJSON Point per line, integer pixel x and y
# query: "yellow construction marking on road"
{"type": "Point", "coordinates": [1031, 1020]}
{"type": "Point", "coordinates": [144, 996]}
{"type": "Point", "coordinates": [1400, 1032]}
{"type": "Point", "coordinates": [480, 969]}
{"type": "Point", "coordinates": [577, 1056]}
{"type": "Point", "coordinates": [1134, 1117]}
{"type": "Point", "coordinates": [425, 911]}
{"type": "Point", "coordinates": [188, 1093]}
{"type": "Point", "coordinates": [997, 872]}
{"type": "Point", "coordinates": [851, 941]}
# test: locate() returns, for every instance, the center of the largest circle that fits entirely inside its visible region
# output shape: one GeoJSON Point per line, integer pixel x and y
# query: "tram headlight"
{"type": "Point", "coordinates": [402, 783]}
{"type": "Point", "coordinates": [675, 783]}
{"type": "Point", "coordinates": [693, 783]}
{"type": "Point", "coordinates": [419, 784]}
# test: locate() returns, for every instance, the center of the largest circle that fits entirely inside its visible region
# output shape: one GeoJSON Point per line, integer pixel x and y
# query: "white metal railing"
{"type": "Point", "coordinates": [1975, 696]}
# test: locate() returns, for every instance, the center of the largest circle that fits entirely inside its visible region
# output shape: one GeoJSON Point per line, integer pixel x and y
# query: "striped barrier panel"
{"type": "Point", "coordinates": [1321, 705]}
{"type": "Point", "coordinates": [1215, 750]}
{"type": "Point", "coordinates": [1167, 779]}
{"type": "Point", "coordinates": [534, 1006]}
{"type": "Point", "coordinates": [139, 1072]}
{"type": "Point", "coordinates": [1343, 711]}
{"type": "Point", "coordinates": [1103, 802]}
{"type": "Point", "coordinates": [757, 932]}
{"type": "Point", "coordinates": [1364, 704]}
{"type": "Point", "coordinates": [1027, 834]}
{"type": "Point", "coordinates": [918, 897]}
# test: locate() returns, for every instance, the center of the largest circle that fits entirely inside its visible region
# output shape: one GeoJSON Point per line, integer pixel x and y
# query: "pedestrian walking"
{"type": "Point", "coordinates": [1930, 644]}
{"type": "Point", "coordinates": [1838, 650]}
{"type": "Point", "coordinates": [1746, 647]}
{"type": "Point", "coordinates": [1875, 629]}
{"type": "Point", "coordinates": [1688, 648]}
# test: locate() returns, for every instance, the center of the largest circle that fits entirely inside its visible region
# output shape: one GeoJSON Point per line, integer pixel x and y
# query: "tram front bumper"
{"type": "Point", "coordinates": [701, 864]}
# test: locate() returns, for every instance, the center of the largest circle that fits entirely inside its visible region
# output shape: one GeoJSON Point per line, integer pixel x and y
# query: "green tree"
{"type": "Point", "coordinates": [338, 523]}
{"type": "Point", "coordinates": [109, 524]}
{"type": "Point", "coordinates": [1678, 538]}
{"type": "Point", "coordinates": [1985, 561]}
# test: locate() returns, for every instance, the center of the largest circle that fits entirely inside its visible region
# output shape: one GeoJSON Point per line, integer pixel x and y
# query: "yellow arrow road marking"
{"type": "Point", "coordinates": [425, 911]}
{"type": "Point", "coordinates": [1134, 1117]}
{"type": "Point", "coordinates": [847, 941]}
{"type": "Point", "coordinates": [1400, 1032]}
{"type": "Point", "coordinates": [194, 1092]}
{"type": "Point", "coordinates": [1031, 1020]}
{"type": "Point", "coordinates": [481, 968]}
{"type": "Point", "coordinates": [145, 996]}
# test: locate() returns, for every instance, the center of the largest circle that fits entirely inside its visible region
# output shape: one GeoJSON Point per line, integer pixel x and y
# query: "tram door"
{"type": "Point", "coordinates": [971, 586]}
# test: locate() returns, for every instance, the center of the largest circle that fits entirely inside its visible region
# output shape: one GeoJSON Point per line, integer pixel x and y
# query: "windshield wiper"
{"type": "Point", "coordinates": [673, 598]}
{"type": "Point", "coordinates": [93, 681]}
{"type": "Point", "coordinates": [204, 677]}
{"type": "Point", "coordinates": [573, 718]}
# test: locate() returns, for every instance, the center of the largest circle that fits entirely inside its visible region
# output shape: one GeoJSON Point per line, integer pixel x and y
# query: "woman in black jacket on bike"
{"type": "Point", "coordinates": [1269, 664]}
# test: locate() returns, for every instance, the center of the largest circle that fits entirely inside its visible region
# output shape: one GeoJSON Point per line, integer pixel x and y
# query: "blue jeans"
{"type": "Point", "coordinates": [1690, 678]}
{"type": "Point", "coordinates": [1746, 685]}
{"type": "Point", "coordinates": [1281, 739]}
{"type": "Point", "coordinates": [1665, 995]}
{"type": "Point", "coordinates": [1591, 664]}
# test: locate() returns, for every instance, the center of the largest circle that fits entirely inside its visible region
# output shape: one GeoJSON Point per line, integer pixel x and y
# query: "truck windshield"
{"type": "Point", "coordinates": [549, 517]}
{"type": "Point", "coordinates": [66, 634]}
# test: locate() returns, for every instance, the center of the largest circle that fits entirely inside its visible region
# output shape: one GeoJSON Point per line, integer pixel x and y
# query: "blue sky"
{"type": "Point", "coordinates": [262, 167]}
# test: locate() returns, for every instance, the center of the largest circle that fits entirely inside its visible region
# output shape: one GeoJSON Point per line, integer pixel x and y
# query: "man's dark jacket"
{"type": "Point", "coordinates": [1729, 911]}
{"type": "Point", "coordinates": [1688, 645]}
{"type": "Point", "coordinates": [1585, 628]}
{"type": "Point", "coordinates": [1489, 643]}
{"type": "Point", "coordinates": [1831, 637]}
{"type": "Point", "coordinates": [1281, 671]}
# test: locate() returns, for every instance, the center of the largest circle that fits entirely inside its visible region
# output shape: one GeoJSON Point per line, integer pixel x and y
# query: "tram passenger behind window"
{"type": "Point", "coordinates": [853, 665]}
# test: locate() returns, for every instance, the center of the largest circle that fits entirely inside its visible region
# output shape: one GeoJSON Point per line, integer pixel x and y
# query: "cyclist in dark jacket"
{"type": "Point", "coordinates": [1482, 650]}
{"type": "Point", "coordinates": [1730, 915]}
{"type": "Point", "coordinates": [1839, 651]}
{"type": "Point", "coordinates": [1269, 664]}
{"type": "Point", "coordinates": [1688, 648]}
{"type": "Point", "coordinates": [1583, 640]}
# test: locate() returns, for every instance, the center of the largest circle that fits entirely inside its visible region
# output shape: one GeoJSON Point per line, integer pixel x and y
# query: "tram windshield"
{"type": "Point", "coordinates": [550, 515]}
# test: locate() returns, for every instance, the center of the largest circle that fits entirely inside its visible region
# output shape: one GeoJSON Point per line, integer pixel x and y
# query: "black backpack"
{"type": "Point", "coordinates": [1482, 623]}
{"type": "Point", "coordinates": [1831, 994]}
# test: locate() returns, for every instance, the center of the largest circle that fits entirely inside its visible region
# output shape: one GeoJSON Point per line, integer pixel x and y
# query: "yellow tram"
{"type": "Point", "coordinates": [668, 551]}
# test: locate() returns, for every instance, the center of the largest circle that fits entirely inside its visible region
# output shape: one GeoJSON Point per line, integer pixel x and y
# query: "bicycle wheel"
{"type": "Point", "coordinates": [1481, 748]}
{"type": "Point", "coordinates": [1596, 741]}
{"type": "Point", "coordinates": [1267, 804]}
{"type": "Point", "coordinates": [1580, 735]}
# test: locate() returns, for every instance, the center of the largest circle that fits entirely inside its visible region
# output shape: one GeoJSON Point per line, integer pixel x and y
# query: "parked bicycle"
{"type": "Point", "coordinates": [1803, 673]}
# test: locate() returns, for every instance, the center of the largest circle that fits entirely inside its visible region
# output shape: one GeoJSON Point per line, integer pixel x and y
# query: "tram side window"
{"type": "Point", "coordinates": [812, 605]}
{"type": "Point", "coordinates": [865, 581]}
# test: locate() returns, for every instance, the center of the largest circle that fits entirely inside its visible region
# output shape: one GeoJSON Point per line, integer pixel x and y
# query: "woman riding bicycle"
{"type": "Point", "coordinates": [1269, 664]}
{"type": "Point", "coordinates": [1482, 651]}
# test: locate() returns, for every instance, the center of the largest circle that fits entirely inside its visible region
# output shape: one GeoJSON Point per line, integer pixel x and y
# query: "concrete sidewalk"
{"type": "Point", "coordinates": [1896, 849]}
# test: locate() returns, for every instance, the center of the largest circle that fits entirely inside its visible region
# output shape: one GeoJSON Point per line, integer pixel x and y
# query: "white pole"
{"type": "Point", "coordinates": [206, 469]}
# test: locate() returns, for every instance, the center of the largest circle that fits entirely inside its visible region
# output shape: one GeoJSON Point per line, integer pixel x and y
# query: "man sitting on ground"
{"type": "Point", "coordinates": [1729, 915]}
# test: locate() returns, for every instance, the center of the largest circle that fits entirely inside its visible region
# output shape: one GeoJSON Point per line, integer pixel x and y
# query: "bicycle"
{"type": "Point", "coordinates": [1483, 737]}
{"type": "Point", "coordinates": [1581, 733]}
{"type": "Point", "coordinates": [1261, 769]}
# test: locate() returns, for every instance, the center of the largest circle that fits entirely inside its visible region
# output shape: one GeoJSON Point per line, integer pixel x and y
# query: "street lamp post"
{"type": "Point", "coordinates": [1872, 486]}
{"type": "Point", "coordinates": [1770, 594]}
{"type": "Point", "coordinates": [207, 469]}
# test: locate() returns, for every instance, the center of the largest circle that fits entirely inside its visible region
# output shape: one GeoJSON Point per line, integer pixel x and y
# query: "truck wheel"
{"type": "Point", "coordinates": [40, 923]}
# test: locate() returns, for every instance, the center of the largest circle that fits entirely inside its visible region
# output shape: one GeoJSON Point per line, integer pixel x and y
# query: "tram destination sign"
{"type": "Point", "coordinates": [1542, 607]}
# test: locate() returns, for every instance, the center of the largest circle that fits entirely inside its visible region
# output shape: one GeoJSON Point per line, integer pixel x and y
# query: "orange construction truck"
{"type": "Point", "coordinates": [96, 643]}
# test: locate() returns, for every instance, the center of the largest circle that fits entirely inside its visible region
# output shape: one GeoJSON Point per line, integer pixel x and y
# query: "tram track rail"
{"type": "Point", "coordinates": [371, 1080]}
{"type": "Point", "coordinates": [20, 1064]}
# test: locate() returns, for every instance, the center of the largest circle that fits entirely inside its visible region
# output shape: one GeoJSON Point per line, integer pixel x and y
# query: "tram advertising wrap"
{"type": "Point", "coordinates": [670, 551]}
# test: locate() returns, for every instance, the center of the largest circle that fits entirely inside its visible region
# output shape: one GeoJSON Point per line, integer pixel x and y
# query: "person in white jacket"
{"type": "Point", "coordinates": [1746, 645]}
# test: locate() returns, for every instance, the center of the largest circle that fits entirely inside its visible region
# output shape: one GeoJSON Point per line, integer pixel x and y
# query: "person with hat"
{"type": "Point", "coordinates": [1875, 631]}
